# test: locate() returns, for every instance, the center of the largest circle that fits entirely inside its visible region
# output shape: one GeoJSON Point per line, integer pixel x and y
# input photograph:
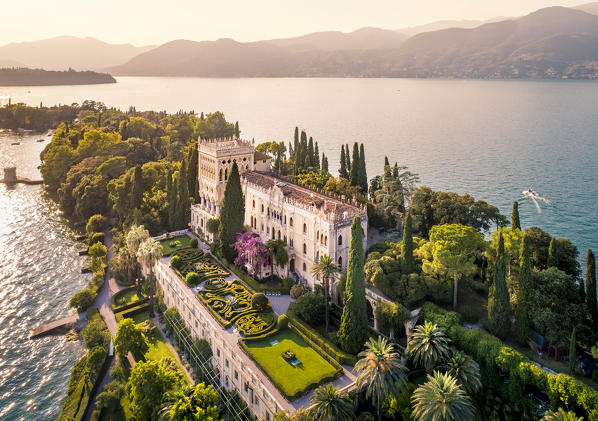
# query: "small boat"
{"type": "Point", "coordinates": [15, 143]}
{"type": "Point", "coordinates": [41, 140]}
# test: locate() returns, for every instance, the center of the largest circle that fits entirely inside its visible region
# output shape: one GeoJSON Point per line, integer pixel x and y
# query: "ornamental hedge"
{"type": "Point", "coordinates": [487, 349]}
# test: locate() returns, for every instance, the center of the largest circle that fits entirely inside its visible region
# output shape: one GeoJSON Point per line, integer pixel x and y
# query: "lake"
{"type": "Point", "coordinates": [492, 139]}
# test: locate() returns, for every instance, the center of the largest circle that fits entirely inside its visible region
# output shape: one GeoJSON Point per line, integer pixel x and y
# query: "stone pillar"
{"type": "Point", "coordinates": [10, 175]}
{"type": "Point", "coordinates": [375, 318]}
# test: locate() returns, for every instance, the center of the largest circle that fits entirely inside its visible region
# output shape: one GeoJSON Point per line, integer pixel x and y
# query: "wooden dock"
{"type": "Point", "coordinates": [55, 327]}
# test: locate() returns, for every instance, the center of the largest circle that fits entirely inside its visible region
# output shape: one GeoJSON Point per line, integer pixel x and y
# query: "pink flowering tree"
{"type": "Point", "coordinates": [251, 253]}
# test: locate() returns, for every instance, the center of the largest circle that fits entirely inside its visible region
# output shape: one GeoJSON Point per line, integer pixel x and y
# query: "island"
{"type": "Point", "coordinates": [23, 76]}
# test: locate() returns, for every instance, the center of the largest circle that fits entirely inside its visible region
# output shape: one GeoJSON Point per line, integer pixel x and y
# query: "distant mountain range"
{"type": "Point", "coordinates": [554, 42]}
{"type": "Point", "coordinates": [62, 53]}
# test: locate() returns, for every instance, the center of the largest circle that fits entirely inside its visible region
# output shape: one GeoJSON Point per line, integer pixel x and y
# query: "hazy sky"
{"type": "Point", "coordinates": [159, 21]}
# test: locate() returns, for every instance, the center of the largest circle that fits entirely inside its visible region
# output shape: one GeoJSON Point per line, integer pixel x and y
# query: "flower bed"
{"type": "Point", "coordinates": [231, 303]}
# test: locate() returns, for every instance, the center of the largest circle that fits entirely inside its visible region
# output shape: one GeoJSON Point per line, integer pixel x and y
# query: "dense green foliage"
{"type": "Point", "coordinates": [150, 381]}
{"type": "Point", "coordinates": [40, 77]}
{"type": "Point", "coordinates": [428, 346]}
{"type": "Point", "coordinates": [408, 260]}
{"type": "Point", "coordinates": [522, 311]}
{"type": "Point", "coordinates": [130, 338]}
{"type": "Point", "coordinates": [21, 116]}
{"type": "Point", "coordinates": [353, 331]}
{"type": "Point", "coordinates": [441, 399]}
{"type": "Point", "coordinates": [200, 404]}
{"type": "Point", "coordinates": [591, 286]}
{"type": "Point", "coordinates": [429, 208]}
{"type": "Point", "coordinates": [330, 404]}
{"type": "Point", "coordinates": [515, 224]}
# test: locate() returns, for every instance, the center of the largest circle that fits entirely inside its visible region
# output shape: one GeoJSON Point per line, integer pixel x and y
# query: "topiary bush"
{"type": "Point", "coordinates": [193, 243]}
{"type": "Point", "coordinates": [192, 279]}
{"type": "Point", "coordinates": [82, 300]}
{"type": "Point", "coordinates": [98, 237]}
{"type": "Point", "coordinates": [310, 308]}
{"type": "Point", "coordinates": [283, 321]}
{"type": "Point", "coordinates": [176, 262]}
{"type": "Point", "coordinates": [259, 301]}
{"type": "Point", "coordinates": [287, 283]}
{"type": "Point", "coordinates": [297, 291]}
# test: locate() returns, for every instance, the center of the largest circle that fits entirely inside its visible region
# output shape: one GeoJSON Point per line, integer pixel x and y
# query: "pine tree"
{"type": "Point", "coordinates": [553, 254]}
{"type": "Point", "coordinates": [192, 174]}
{"type": "Point", "coordinates": [572, 353]}
{"type": "Point", "coordinates": [237, 131]}
{"type": "Point", "coordinates": [137, 193]}
{"type": "Point", "coordinates": [515, 224]}
{"type": "Point", "coordinates": [408, 262]}
{"type": "Point", "coordinates": [354, 175]}
{"type": "Point", "coordinates": [316, 156]}
{"type": "Point", "coordinates": [183, 205]}
{"type": "Point", "coordinates": [591, 287]}
{"type": "Point", "coordinates": [363, 176]}
{"type": "Point", "coordinates": [232, 213]}
{"type": "Point", "coordinates": [353, 331]}
{"type": "Point", "coordinates": [522, 316]}
{"type": "Point", "coordinates": [311, 152]}
{"type": "Point", "coordinates": [499, 307]}
{"type": "Point", "coordinates": [342, 171]}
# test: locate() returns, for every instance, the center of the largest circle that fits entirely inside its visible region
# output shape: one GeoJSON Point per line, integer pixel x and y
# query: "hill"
{"type": "Point", "coordinates": [61, 53]}
{"type": "Point", "coordinates": [447, 24]}
{"type": "Point", "coordinates": [591, 8]}
{"type": "Point", "coordinates": [10, 64]}
{"type": "Point", "coordinates": [39, 77]}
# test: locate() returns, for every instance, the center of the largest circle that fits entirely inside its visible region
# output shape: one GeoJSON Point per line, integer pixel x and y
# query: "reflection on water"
{"type": "Point", "coordinates": [39, 272]}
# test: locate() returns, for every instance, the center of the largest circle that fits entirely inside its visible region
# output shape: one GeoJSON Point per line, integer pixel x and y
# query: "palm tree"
{"type": "Point", "coordinates": [462, 367]}
{"type": "Point", "coordinates": [150, 251]}
{"type": "Point", "coordinates": [380, 371]}
{"type": "Point", "coordinates": [326, 268]}
{"type": "Point", "coordinates": [428, 346]}
{"type": "Point", "coordinates": [441, 399]}
{"type": "Point", "coordinates": [278, 253]}
{"type": "Point", "coordinates": [561, 415]}
{"type": "Point", "coordinates": [135, 237]}
{"type": "Point", "coordinates": [330, 404]}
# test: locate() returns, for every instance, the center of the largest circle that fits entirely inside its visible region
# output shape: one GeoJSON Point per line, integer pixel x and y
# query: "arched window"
{"type": "Point", "coordinates": [226, 174]}
{"type": "Point", "coordinates": [253, 203]}
{"type": "Point", "coordinates": [340, 240]}
{"type": "Point", "coordinates": [326, 240]}
{"type": "Point", "coordinates": [291, 222]}
{"type": "Point", "coordinates": [246, 167]}
{"type": "Point", "coordinates": [285, 219]}
{"type": "Point", "coordinates": [304, 228]}
{"type": "Point", "coordinates": [304, 248]}
{"type": "Point", "coordinates": [262, 208]}
{"type": "Point", "coordinates": [340, 261]}
{"type": "Point", "coordinates": [279, 234]}
{"type": "Point", "coordinates": [220, 177]}
{"type": "Point", "coordinates": [304, 267]}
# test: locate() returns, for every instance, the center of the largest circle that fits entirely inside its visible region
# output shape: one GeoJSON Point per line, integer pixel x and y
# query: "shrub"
{"type": "Point", "coordinates": [297, 291]}
{"type": "Point", "coordinates": [259, 301]}
{"type": "Point", "coordinates": [98, 237]}
{"type": "Point", "coordinates": [193, 243]}
{"type": "Point", "coordinates": [95, 223]}
{"type": "Point", "coordinates": [82, 300]}
{"type": "Point", "coordinates": [192, 278]}
{"type": "Point", "coordinates": [176, 262]}
{"type": "Point", "coordinates": [283, 323]}
{"type": "Point", "coordinates": [469, 313]}
{"type": "Point", "coordinates": [287, 283]}
{"type": "Point", "coordinates": [310, 308]}
{"type": "Point", "coordinates": [595, 376]}
{"type": "Point", "coordinates": [96, 358]}
{"type": "Point", "coordinates": [365, 416]}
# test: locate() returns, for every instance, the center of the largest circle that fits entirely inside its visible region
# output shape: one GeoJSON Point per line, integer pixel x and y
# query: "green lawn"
{"type": "Point", "coordinates": [168, 249]}
{"type": "Point", "coordinates": [292, 381]}
{"type": "Point", "coordinates": [128, 297]}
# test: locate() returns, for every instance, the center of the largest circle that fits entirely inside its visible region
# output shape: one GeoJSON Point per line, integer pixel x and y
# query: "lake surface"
{"type": "Point", "coordinates": [492, 139]}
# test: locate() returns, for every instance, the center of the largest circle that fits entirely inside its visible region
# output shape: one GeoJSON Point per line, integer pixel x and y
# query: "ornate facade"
{"type": "Point", "coordinates": [312, 223]}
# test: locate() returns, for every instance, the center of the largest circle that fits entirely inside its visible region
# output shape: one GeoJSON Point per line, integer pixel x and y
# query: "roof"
{"type": "Point", "coordinates": [258, 156]}
{"type": "Point", "coordinates": [305, 196]}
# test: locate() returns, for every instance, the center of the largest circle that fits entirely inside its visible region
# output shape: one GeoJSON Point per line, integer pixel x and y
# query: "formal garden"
{"type": "Point", "coordinates": [173, 244]}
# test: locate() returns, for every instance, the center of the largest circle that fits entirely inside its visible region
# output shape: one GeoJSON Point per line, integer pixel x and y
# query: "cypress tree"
{"type": "Point", "coordinates": [342, 171]}
{"type": "Point", "coordinates": [408, 262]}
{"type": "Point", "coordinates": [183, 205]}
{"type": "Point", "coordinates": [395, 170]}
{"type": "Point", "coordinates": [363, 175]}
{"type": "Point", "coordinates": [499, 307]}
{"type": "Point", "coordinates": [176, 212]}
{"type": "Point", "coordinates": [387, 170]}
{"type": "Point", "coordinates": [171, 198]}
{"type": "Point", "coordinates": [515, 224]}
{"type": "Point", "coordinates": [572, 353]}
{"type": "Point", "coordinates": [137, 194]}
{"type": "Point", "coordinates": [522, 320]}
{"type": "Point", "coordinates": [591, 287]}
{"type": "Point", "coordinates": [192, 174]}
{"type": "Point", "coordinates": [324, 163]}
{"type": "Point", "coordinates": [553, 254]}
{"type": "Point", "coordinates": [296, 140]}
{"type": "Point", "coordinates": [237, 131]}
{"type": "Point", "coordinates": [348, 160]}
{"type": "Point", "coordinates": [311, 152]}
{"type": "Point", "coordinates": [354, 175]}
{"type": "Point", "coordinates": [316, 156]}
{"type": "Point", "coordinates": [353, 331]}
{"type": "Point", "coordinates": [232, 213]}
